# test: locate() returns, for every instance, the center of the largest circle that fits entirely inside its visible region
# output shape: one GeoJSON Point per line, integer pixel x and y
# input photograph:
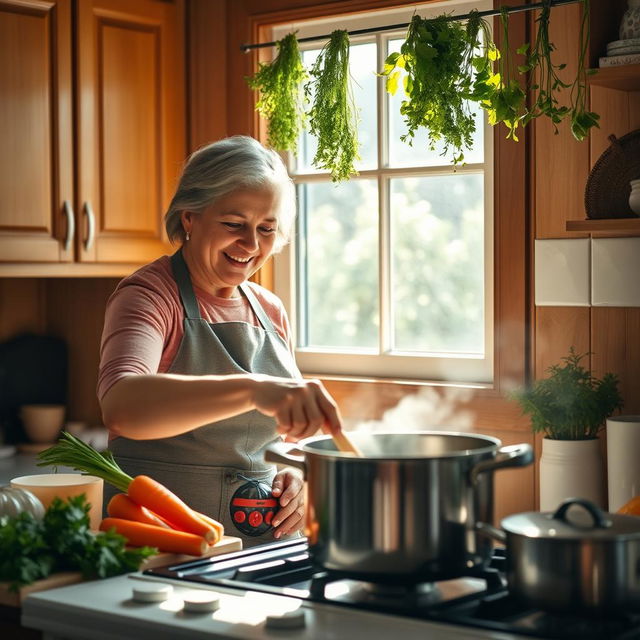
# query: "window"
{"type": "Point", "coordinates": [390, 274]}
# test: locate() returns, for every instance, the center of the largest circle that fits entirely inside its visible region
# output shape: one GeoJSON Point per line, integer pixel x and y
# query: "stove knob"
{"type": "Point", "coordinates": [288, 620]}
{"type": "Point", "coordinates": [201, 602]}
{"type": "Point", "coordinates": [151, 592]}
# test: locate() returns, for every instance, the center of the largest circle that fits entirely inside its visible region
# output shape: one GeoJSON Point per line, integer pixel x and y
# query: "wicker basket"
{"type": "Point", "coordinates": [608, 188]}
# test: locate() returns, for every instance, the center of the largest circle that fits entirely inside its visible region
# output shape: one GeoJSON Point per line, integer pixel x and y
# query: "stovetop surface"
{"type": "Point", "coordinates": [481, 600]}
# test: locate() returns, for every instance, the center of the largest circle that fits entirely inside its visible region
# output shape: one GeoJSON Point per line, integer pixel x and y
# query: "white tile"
{"type": "Point", "coordinates": [615, 269]}
{"type": "Point", "coordinates": [562, 274]}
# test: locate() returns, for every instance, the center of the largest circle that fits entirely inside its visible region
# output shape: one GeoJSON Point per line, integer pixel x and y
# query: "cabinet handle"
{"type": "Point", "coordinates": [91, 226]}
{"type": "Point", "coordinates": [71, 224]}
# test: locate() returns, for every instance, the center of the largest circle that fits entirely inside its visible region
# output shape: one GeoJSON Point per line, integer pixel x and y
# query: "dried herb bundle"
{"type": "Point", "coordinates": [281, 97]}
{"type": "Point", "coordinates": [333, 116]}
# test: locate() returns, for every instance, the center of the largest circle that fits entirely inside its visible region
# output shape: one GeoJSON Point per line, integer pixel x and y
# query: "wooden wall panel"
{"type": "Point", "coordinates": [207, 71]}
{"type": "Point", "coordinates": [75, 312]}
{"type": "Point", "coordinates": [562, 163]}
{"type": "Point", "coordinates": [615, 342]}
{"type": "Point", "coordinates": [615, 116]}
{"type": "Point", "coordinates": [22, 306]}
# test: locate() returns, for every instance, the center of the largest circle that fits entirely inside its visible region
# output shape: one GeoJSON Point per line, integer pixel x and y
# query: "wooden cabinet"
{"type": "Point", "coordinates": [93, 128]}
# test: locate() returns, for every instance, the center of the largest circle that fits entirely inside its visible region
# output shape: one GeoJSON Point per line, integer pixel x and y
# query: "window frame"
{"type": "Point", "coordinates": [366, 397]}
{"type": "Point", "coordinates": [387, 363]}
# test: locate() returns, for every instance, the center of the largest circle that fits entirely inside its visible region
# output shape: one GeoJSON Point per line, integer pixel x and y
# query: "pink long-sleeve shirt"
{"type": "Point", "coordinates": [143, 324]}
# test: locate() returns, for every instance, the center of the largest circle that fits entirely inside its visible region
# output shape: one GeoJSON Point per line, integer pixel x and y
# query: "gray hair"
{"type": "Point", "coordinates": [221, 167]}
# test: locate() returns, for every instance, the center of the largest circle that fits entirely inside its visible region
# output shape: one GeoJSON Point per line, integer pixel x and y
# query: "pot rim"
{"type": "Point", "coordinates": [491, 445]}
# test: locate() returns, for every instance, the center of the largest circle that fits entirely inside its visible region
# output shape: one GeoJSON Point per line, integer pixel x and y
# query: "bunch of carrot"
{"type": "Point", "coordinates": [146, 512]}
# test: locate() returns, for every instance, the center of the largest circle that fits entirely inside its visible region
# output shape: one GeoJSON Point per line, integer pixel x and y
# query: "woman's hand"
{"type": "Point", "coordinates": [287, 489]}
{"type": "Point", "coordinates": [300, 407]}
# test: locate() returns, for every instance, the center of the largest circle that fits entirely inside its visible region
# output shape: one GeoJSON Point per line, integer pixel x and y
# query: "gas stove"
{"type": "Point", "coordinates": [275, 590]}
{"type": "Point", "coordinates": [479, 600]}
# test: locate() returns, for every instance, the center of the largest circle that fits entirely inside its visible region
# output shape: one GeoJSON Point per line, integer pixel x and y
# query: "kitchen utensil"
{"type": "Point", "coordinates": [48, 486]}
{"type": "Point", "coordinates": [344, 443]}
{"type": "Point", "coordinates": [408, 508]}
{"type": "Point", "coordinates": [584, 561]}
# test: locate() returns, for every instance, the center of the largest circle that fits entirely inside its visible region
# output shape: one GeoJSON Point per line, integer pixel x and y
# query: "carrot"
{"type": "Point", "coordinates": [140, 534]}
{"type": "Point", "coordinates": [147, 492]}
{"type": "Point", "coordinates": [151, 494]}
{"type": "Point", "coordinates": [218, 526]}
{"type": "Point", "coordinates": [122, 506]}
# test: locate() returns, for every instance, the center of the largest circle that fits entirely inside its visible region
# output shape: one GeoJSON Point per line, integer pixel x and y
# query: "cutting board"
{"type": "Point", "coordinates": [11, 599]}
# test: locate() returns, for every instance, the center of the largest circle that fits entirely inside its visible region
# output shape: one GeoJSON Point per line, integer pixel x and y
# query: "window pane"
{"type": "Point", "coordinates": [362, 66]}
{"type": "Point", "coordinates": [438, 263]}
{"type": "Point", "coordinates": [338, 264]}
{"type": "Point", "coordinates": [401, 154]}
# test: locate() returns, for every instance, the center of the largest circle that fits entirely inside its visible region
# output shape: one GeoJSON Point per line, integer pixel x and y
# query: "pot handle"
{"type": "Point", "coordinates": [600, 520]}
{"type": "Point", "coordinates": [490, 531]}
{"type": "Point", "coordinates": [513, 455]}
{"type": "Point", "coordinates": [281, 454]}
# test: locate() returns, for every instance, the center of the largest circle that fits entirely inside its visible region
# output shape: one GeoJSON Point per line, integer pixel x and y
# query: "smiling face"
{"type": "Point", "coordinates": [230, 240]}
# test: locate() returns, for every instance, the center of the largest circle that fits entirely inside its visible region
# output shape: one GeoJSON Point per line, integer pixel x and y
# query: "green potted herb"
{"type": "Point", "coordinates": [570, 407]}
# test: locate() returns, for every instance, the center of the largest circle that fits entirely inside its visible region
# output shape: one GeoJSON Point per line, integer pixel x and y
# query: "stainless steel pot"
{"type": "Point", "coordinates": [583, 560]}
{"type": "Point", "coordinates": [408, 508]}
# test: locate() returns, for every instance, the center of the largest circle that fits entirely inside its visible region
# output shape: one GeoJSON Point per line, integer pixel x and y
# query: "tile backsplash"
{"type": "Point", "coordinates": [587, 272]}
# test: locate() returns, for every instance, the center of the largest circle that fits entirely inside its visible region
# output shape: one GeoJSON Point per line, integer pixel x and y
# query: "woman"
{"type": "Point", "coordinates": [197, 374]}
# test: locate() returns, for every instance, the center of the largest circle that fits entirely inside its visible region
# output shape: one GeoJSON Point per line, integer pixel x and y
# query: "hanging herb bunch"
{"type": "Point", "coordinates": [443, 67]}
{"type": "Point", "coordinates": [333, 118]}
{"type": "Point", "coordinates": [548, 85]}
{"type": "Point", "coordinates": [506, 103]}
{"type": "Point", "coordinates": [281, 99]}
{"type": "Point", "coordinates": [436, 83]}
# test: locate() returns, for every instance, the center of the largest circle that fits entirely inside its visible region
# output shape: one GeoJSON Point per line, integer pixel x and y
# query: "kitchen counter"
{"type": "Point", "coordinates": [104, 609]}
{"type": "Point", "coordinates": [23, 464]}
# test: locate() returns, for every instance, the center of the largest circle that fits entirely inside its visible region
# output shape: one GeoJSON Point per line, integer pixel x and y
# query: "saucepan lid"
{"type": "Point", "coordinates": [574, 519]}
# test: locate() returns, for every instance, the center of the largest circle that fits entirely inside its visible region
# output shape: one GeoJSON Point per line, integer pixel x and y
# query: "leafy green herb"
{"type": "Point", "coordinates": [548, 82]}
{"type": "Point", "coordinates": [62, 541]}
{"type": "Point", "coordinates": [570, 404]}
{"type": "Point", "coordinates": [506, 103]}
{"type": "Point", "coordinates": [437, 83]}
{"type": "Point", "coordinates": [333, 117]}
{"type": "Point", "coordinates": [281, 97]}
{"type": "Point", "coordinates": [581, 119]}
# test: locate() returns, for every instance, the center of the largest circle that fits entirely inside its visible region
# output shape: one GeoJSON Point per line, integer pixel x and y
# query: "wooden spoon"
{"type": "Point", "coordinates": [345, 445]}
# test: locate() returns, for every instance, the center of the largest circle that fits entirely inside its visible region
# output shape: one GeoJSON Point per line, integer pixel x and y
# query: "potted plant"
{"type": "Point", "coordinates": [570, 408]}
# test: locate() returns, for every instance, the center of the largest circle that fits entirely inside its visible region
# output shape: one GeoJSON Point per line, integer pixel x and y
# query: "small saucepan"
{"type": "Point", "coordinates": [578, 559]}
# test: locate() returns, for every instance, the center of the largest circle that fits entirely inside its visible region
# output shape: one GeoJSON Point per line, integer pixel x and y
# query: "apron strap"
{"type": "Point", "coordinates": [185, 288]}
{"type": "Point", "coordinates": [267, 325]}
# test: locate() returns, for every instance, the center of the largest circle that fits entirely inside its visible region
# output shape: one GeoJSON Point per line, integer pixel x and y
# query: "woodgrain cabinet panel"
{"type": "Point", "coordinates": [130, 111]}
{"type": "Point", "coordinates": [120, 115]}
{"type": "Point", "coordinates": [35, 129]}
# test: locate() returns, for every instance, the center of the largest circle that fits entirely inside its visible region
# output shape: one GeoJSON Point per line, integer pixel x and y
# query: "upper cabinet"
{"type": "Point", "coordinates": [92, 119]}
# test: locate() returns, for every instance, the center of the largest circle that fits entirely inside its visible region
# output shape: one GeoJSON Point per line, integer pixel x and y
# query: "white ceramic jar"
{"type": "Point", "coordinates": [630, 25]}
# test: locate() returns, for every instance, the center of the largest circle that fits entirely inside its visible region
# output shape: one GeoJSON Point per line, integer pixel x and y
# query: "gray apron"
{"type": "Point", "coordinates": [218, 469]}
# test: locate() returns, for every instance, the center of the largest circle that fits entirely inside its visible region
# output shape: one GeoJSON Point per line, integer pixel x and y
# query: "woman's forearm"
{"type": "Point", "coordinates": [145, 407]}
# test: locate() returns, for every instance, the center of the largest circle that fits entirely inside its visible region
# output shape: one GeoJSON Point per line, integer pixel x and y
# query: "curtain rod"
{"type": "Point", "coordinates": [393, 27]}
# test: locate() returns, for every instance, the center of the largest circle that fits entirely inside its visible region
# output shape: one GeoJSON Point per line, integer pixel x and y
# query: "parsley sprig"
{"type": "Point", "coordinates": [31, 550]}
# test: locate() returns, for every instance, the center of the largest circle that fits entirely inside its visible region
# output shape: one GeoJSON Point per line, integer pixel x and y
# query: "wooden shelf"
{"type": "Point", "coordinates": [626, 226]}
{"type": "Point", "coordinates": [625, 77]}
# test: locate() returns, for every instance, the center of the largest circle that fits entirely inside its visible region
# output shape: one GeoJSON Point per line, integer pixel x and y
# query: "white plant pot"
{"type": "Point", "coordinates": [571, 469]}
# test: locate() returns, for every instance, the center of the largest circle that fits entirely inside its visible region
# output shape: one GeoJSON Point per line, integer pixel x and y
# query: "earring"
{"type": "Point", "coordinates": [187, 236]}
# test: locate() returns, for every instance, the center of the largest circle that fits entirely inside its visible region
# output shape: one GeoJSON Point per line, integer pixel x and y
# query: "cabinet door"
{"type": "Point", "coordinates": [130, 125]}
{"type": "Point", "coordinates": [36, 154]}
